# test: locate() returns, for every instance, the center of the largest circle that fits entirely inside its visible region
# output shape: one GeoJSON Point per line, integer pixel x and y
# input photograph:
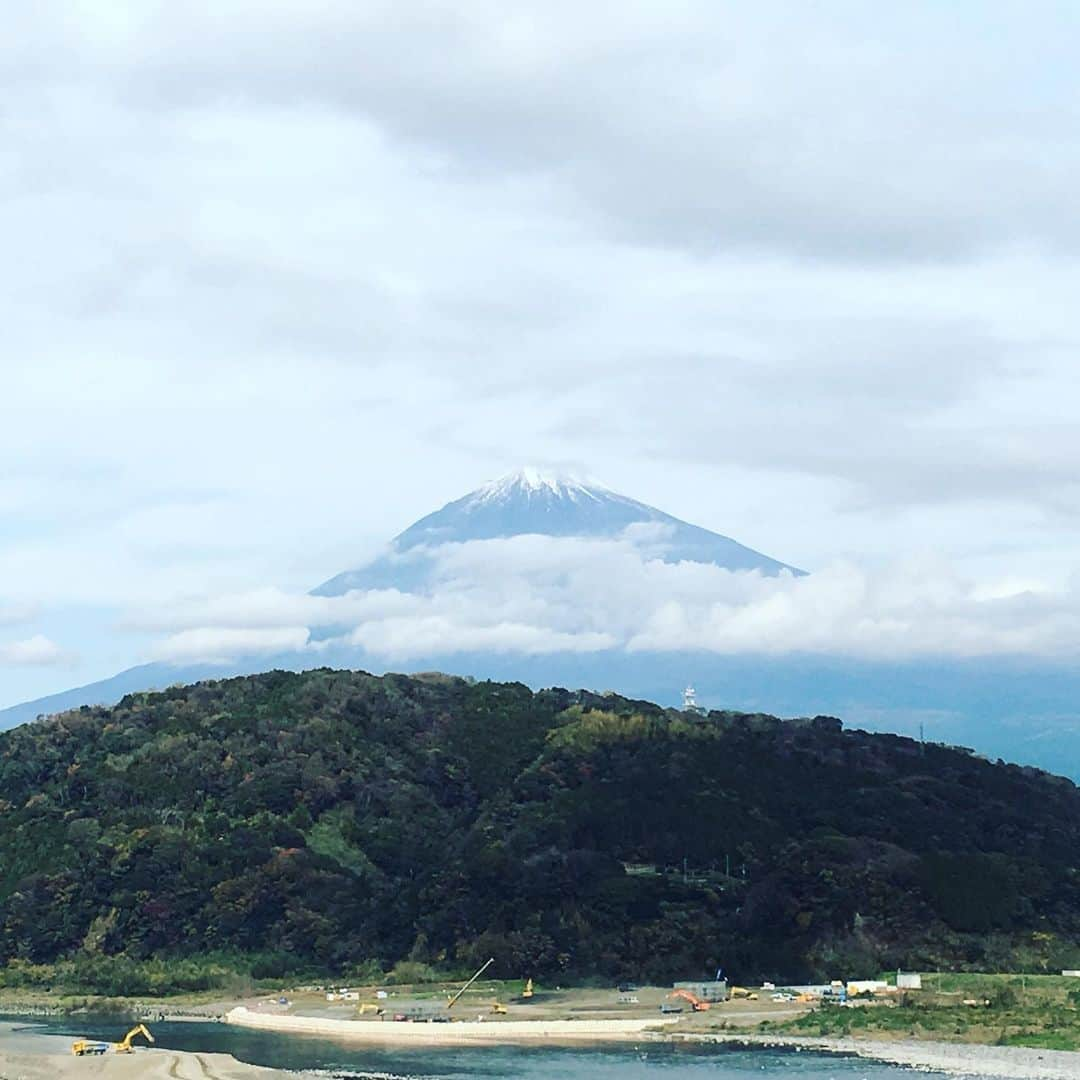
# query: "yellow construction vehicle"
{"type": "Point", "coordinates": [89, 1048]}
{"type": "Point", "coordinates": [94, 1048]}
{"type": "Point", "coordinates": [696, 1003]}
{"type": "Point", "coordinates": [369, 1007]}
{"type": "Point", "coordinates": [498, 1007]}
{"type": "Point", "coordinates": [528, 991]}
{"type": "Point", "coordinates": [125, 1047]}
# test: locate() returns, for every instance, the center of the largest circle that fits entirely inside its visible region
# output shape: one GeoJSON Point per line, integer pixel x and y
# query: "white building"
{"type": "Point", "coordinates": [689, 702]}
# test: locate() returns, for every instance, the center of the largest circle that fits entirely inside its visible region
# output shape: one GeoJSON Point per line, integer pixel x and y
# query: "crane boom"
{"type": "Point", "coordinates": [450, 1003]}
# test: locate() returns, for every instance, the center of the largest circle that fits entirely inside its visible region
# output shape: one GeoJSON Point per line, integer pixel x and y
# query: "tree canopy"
{"type": "Point", "coordinates": [331, 819]}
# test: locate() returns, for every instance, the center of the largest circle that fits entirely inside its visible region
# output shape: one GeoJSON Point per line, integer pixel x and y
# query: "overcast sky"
{"type": "Point", "coordinates": [283, 277]}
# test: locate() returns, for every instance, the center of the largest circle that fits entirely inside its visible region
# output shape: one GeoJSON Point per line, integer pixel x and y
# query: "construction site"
{"type": "Point", "coordinates": [689, 1004]}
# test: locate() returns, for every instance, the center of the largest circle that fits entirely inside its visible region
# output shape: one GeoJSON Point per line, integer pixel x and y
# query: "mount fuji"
{"type": "Point", "coordinates": [537, 502]}
{"type": "Point", "coordinates": [1017, 709]}
{"type": "Point", "coordinates": [529, 502]}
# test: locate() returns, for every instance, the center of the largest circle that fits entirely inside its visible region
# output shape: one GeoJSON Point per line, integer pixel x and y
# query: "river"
{"type": "Point", "coordinates": [648, 1062]}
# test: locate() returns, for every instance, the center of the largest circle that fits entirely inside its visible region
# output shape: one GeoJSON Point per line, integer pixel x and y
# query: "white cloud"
{"type": "Point", "coordinates": [403, 637]}
{"type": "Point", "coordinates": [274, 292]}
{"type": "Point", "coordinates": [269, 608]}
{"type": "Point", "coordinates": [220, 644]}
{"type": "Point", "coordinates": [854, 134]}
{"type": "Point", "coordinates": [36, 651]}
{"type": "Point", "coordinates": [532, 594]}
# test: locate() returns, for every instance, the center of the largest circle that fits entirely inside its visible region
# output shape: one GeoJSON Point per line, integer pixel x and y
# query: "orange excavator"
{"type": "Point", "coordinates": [695, 1002]}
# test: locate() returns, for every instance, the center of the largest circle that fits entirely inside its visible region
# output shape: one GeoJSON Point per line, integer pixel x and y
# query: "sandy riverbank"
{"type": "Point", "coordinates": [29, 1055]}
{"type": "Point", "coordinates": [145, 1065]}
{"type": "Point", "coordinates": [465, 1032]}
{"type": "Point", "coordinates": [957, 1059]}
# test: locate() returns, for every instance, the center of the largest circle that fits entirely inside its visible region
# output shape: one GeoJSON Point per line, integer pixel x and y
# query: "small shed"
{"type": "Point", "coordinates": [908, 980]}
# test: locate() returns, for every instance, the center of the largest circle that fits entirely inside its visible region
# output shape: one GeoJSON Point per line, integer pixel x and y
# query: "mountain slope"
{"type": "Point", "coordinates": [156, 676]}
{"type": "Point", "coordinates": [548, 504]}
{"type": "Point", "coordinates": [333, 818]}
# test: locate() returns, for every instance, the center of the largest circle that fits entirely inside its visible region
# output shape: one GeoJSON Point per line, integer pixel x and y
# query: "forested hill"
{"type": "Point", "coordinates": [323, 820]}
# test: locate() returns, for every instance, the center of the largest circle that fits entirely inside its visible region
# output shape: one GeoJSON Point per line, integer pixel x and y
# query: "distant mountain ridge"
{"type": "Point", "coordinates": [534, 501]}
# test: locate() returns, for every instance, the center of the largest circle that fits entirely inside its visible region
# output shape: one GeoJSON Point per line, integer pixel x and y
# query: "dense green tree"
{"type": "Point", "coordinates": [331, 820]}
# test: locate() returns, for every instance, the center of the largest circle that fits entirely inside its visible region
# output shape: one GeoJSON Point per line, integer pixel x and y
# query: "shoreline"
{"type": "Point", "coordinates": [456, 1033]}
{"type": "Point", "coordinates": [29, 1055]}
{"type": "Point", "coordinates": [146, 1065]}
{"type": "Point", "coordinates": [952, 1059]}
{"type": "Point", "coordinates": [955, 1059]}
{"type": "Point", "coordinates": [44, 1057]}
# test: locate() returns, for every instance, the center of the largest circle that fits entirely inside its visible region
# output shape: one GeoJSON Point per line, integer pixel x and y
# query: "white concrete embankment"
{"type": "Point", "coordinates": [463, 1031]}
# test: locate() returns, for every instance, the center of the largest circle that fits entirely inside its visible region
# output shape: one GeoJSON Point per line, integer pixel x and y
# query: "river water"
{"type": "Point", "coordinates": [648, 1062]}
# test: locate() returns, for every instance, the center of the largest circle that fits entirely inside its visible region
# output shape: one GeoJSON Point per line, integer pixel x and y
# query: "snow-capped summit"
{"type": "Point", "coordinates": [541, 502]}
{"type": "Point", "coordinates": [530, 481]}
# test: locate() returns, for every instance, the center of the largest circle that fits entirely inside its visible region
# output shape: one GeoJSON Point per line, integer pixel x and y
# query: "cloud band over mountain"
{"type": "Point", "coordinates": [539, 594]}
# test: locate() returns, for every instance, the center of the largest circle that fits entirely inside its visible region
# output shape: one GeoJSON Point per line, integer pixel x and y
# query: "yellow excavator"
{"type": "Point", "coordinates": [93, 1048]}
{"type": "Point", "coordinates": [125, 1047]}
